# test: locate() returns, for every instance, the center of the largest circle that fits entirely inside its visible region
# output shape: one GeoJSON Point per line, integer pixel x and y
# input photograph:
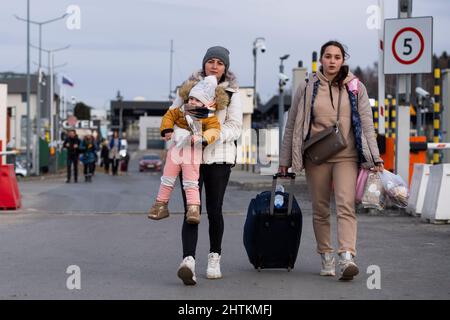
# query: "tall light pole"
{"type": "Point", "coordinates": [51, 67]}
{"type": "Point", "coordinates": [258, 44]}
{"type": "Point", "coordinates": [281, 84]}
{"type": "Point", "coordinates": [120, 99]}
{"type": "Point", "coordinates": [28, 90]}
{"type": "Point", "coordinates": [38, 107]}
{"type": "Point", "coordinates": [171, 70]}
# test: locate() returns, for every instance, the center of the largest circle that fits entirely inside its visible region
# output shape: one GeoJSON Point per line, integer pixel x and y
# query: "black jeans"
{"type": "Point", "coordinates": [215, 178]}
{"type": "Point", "coordinates": [72, 160]}
{"type": "Point", "coordinates": [115, 166]}
{"type": "Point", "coordinates": [89, 169]}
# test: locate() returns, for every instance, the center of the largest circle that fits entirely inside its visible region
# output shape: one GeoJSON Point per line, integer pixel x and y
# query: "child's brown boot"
{"type": "Point", "coordinates": [193, 214]}
{"type": "Point", "coordinates": [158, 211]}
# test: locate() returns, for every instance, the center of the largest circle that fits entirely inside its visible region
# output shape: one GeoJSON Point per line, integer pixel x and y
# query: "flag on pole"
{"type": "Point", "coordinates": [66, 80]}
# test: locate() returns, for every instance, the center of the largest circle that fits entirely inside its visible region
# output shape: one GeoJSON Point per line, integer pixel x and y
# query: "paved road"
{"type": "Point", "coordinates": [101, 228]}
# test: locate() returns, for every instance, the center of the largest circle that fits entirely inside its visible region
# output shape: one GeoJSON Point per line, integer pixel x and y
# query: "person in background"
{"type": "Point", "coordinates": [104, 156]}
{"type": "Point", "coordinates": [72, 144]}
{"type": "Point", "coordinates": [114, 156]}
{"type": "Point", "coordinates": [88, 150]}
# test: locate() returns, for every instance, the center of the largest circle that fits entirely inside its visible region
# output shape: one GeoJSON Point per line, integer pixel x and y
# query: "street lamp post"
{"type": "Point", "coordinates": [281, 84]}
{"type": "Point", "coordinates": [38, 107]}
{"type": "Point", "coordinates": [51, 67]}
{"type": "Point", "coordinates": [260, 44]}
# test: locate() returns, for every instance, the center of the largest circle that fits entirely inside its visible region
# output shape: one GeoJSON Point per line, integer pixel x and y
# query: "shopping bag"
{"type": "Point", "coordinates": [361, 183]}
{"type": "Point", "coordinates": [373, 196]}
{"type": "Point", "coordinates": [395, 188]}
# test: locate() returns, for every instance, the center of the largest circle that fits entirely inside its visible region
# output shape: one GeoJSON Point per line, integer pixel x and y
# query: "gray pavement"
{"type": "Point", "coordinates": [101, 227]}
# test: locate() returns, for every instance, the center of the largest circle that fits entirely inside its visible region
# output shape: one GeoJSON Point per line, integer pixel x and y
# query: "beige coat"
{"type": "Point", "coordinates": [298, 121]}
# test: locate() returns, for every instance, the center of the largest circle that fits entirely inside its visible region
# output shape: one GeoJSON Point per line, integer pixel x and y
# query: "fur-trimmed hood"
{"type": "Point", "coordinates": [230, 83]}
{"type": "Point", "coordinates": [222, 98]}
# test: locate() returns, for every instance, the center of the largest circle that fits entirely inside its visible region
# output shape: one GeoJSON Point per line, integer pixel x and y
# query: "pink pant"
{"type": "Point", "coordinates": [187, 160]}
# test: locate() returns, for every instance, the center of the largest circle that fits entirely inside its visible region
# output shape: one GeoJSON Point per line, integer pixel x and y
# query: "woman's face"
{"type": "Point", "coordinates": [215, 67]}
{"type": "Point", "coordinates": [332, 61]}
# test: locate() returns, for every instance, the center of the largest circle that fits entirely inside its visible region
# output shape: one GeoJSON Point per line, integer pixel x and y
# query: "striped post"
{"type": "Point", "coordinates": [437, 113]}
{"type": "Point", "coordinates": [375, 116]}
{"type": "Point", "coordinates": [314, 62]}
{"type": "Point", "coordinates": [393, 117]}
{"type": "Point", "coordinates": [386, 117]}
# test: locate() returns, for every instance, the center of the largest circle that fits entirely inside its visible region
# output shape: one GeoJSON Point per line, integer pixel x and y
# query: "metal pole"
{"type": "Point", "coordinates": [314, 62]}
{"type": "Point", "coordinates": [381, 80]}
{"type": "Point", "coordinates": [280, 118]}
{"type": "Point", "coordinates": [282, 83]}
{"type": "Point", "coordinates": [402, 144]}
{"type": "Point", "coordinates": [38, 111]}
{"type": "Point", "coordinates": [28, 90]}
{"type": "Point", "coordinates": [120, 120]}
{"type": "Point", "coordinates": [437, 111]}
{"type": "Point", "coordinates": [51, 63]}
{"type": "Point", "coordinates": [255, 101]}
{"type": "Point", "coordinates": [65, 103]}
{"type": "Point", "coordinates": [171, 70]}
{"type": "Point", "coordinates": [419, 100]}
{"type": "Point", "coordinates": [38, 108]}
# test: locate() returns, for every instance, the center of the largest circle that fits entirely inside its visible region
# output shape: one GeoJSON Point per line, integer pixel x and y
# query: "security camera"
{"type": "Point", "coordinates": [283, 77]}
{"type": "Point", "coordinates": [259, 43]}
{"type": "Point", "coordinates": [422, 92]}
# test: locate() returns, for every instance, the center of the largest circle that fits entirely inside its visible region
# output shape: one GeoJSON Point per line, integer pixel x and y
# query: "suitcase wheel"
{"type": "Point", "coordinates": [259, 269]}
{"type": "Point", "coordinates": [289, 269]}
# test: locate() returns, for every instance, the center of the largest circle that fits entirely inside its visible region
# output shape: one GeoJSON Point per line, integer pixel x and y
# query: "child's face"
{"type": "Point", "coordinates": [195, 102]}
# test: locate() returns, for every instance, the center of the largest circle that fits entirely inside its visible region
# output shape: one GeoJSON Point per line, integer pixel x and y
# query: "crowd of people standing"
{"type": "Point", "coordinates": [86, 151]}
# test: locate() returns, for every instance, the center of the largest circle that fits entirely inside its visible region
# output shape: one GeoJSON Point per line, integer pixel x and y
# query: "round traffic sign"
{"type": "Point", "coordinates": [413, 45]}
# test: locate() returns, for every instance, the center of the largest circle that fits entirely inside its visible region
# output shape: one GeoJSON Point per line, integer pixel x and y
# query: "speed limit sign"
{"type": "Point", "coordinates": [408, 45]}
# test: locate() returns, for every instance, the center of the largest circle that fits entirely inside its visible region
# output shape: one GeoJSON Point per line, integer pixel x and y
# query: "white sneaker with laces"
{"type": "Point", "coordinates": [347, 266]}
{"type": "Point", "coordinates": [186, 271]}
{"type": "Point", "coordinates": [328, 265]}
{"type": "Point", "coordinates": [213, 270]}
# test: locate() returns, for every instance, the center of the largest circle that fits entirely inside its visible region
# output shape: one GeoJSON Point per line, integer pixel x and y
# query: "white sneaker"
{"type": "Point", "coordinates": [186, 271]}
{"type": "Point", "coordinates": [328, 265]}
{"type": "Point", "coordinates": [213, 270]}
{"type": "Point", "coordinates": [347, 266]}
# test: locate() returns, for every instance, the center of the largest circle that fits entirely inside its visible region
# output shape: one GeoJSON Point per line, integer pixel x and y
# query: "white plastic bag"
{"type": "Point", "coordinates": [373, 196]}
{"type": "Point", "coordinates": [396, 189]}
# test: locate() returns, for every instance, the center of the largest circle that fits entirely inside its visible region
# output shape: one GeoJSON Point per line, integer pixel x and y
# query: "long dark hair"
{"type": "Point", "coordinates": [343, 71]}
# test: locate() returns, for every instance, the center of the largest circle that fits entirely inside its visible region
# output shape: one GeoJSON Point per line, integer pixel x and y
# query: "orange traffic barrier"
{"type": "Point", "coordinates": [417, 154]}
{"type": "Point", "coordinates": [9, 190]}
{"type": "Point", "coordinates": [389, 155]}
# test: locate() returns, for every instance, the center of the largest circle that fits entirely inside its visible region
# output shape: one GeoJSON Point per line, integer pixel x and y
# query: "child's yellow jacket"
{"type": "Point", "coordinates": [210, 126]}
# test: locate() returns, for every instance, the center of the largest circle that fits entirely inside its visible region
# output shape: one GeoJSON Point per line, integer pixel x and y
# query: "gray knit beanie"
{"type": "Point", "coordinates": [220, 53]}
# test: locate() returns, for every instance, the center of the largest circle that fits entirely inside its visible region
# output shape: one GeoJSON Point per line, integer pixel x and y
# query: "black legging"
{"type": "Point", "coordinates": [215, 177]}
{"type": "Point", "coordinates": [115, 166]}
{"type": "Point", "coordinates": [72, 160]}
{"type": "Point", "coordinates": [89, 168]}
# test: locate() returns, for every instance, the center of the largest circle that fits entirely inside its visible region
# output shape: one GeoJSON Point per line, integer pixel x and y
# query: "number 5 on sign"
{"type": "Point", "coordinates": [408, 45]}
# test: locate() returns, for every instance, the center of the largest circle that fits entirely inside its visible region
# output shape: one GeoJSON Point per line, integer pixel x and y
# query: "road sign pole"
{"type": "Point", "coordinates": [381, 80]}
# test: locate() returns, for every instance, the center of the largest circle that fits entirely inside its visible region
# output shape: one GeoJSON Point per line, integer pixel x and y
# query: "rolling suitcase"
{"type": "Point", "coordinates": [272, 235]}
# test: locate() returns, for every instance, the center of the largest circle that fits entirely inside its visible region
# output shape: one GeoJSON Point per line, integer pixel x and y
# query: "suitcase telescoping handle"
{"type": "Point", "coordinates": [290, 175]}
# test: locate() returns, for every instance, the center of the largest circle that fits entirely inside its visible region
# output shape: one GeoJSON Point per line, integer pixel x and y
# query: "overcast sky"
{"type": "Point", "coordinates": [126, 44]}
